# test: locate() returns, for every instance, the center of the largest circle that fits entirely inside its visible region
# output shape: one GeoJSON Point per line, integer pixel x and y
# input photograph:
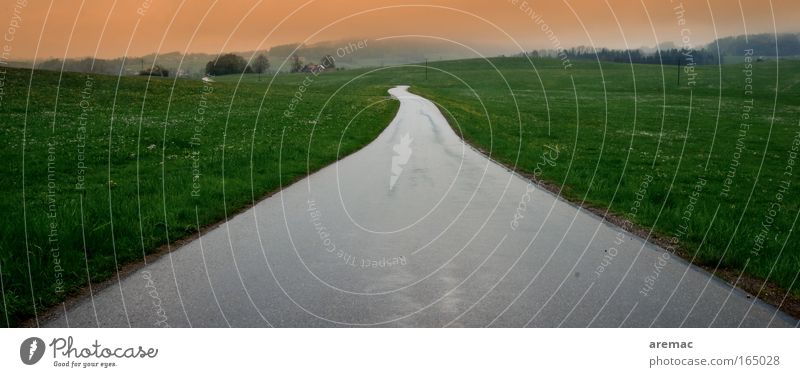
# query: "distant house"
{"type": "Point", "coordinates": [313, 68]}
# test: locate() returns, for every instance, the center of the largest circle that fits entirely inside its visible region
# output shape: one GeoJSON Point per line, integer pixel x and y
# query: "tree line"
{"type": "Point", "coordinates": [228, 64]}
{"type": "Point", "coordinates": [671, 56]}
{"type": "Point", "coordinates": [762, 45]}
{"type": "Point", "coordinates": [768, 45]}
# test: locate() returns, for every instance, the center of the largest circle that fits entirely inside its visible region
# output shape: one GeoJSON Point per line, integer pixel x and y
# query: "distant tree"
{"type": "Point", "coordinates": [210, 68]}
{"type": "Point", "coordinates": [260, 64]}
{"type": "Point", "coordinates": [297, 64]}
{"type": "Point", "coordinates": [156, 70]}
{"type": "Point", "coordinates": [227, 64]}
{"type": "Point", "coordinates": [328, 62]}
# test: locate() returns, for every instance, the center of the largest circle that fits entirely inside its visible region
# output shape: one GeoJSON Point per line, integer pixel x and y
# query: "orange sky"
{"type": "Point", "coordinates": [242, 25]}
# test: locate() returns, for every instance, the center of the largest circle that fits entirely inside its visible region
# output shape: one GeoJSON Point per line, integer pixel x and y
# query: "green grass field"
{"type": "Point", "coordinates": [723, 197]}
{"type": "Point", "coordinates": [172, 158]}
{"type": "Point", "coordinates": [614, 127]}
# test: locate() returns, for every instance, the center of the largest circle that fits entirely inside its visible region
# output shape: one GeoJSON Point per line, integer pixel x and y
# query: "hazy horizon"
{"type": "Point", "coordinates": [489, 51]}
{"type": "Point", "coordinates": [94, 28]}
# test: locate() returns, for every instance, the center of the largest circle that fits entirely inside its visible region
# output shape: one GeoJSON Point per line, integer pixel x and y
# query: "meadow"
{"type": "Point", "coordinates": [705, 163]}
{"type": "Point", "coordinates": [156, 160]}
{"type": "Point", "coordinates": [100, 172]}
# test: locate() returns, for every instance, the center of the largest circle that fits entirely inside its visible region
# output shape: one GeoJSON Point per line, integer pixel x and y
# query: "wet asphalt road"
{"type": "Point", "coordinates": [417, 229]}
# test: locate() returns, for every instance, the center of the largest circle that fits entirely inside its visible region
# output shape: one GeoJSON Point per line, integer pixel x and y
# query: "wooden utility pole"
{"type": "Point", "coordinates": [679, 72]}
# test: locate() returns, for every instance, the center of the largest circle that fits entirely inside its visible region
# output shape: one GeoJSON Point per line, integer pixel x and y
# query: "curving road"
{"type": "Point", "coordinates": [417, 229]}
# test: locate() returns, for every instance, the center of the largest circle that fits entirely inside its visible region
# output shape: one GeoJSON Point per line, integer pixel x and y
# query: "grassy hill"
{"type": "Point", "coordinates": [712, 187]}
{"type": "Point", "coordinates": [384, 52]}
